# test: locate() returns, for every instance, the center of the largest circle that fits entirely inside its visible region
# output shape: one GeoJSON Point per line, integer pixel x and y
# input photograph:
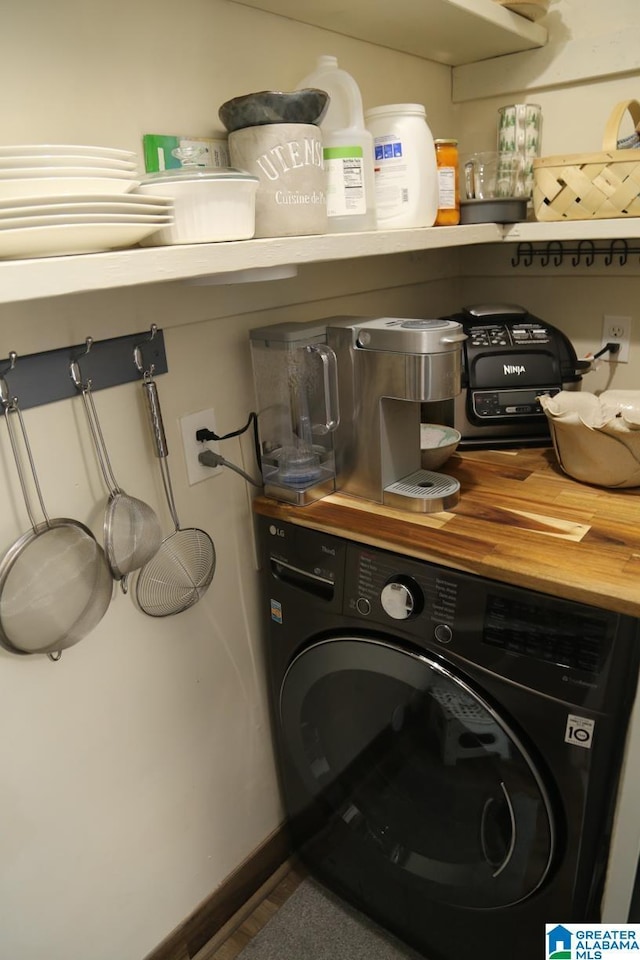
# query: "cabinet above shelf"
{"type": "Point", "coordinates": [453, 32]}
{"type": "Point", "coordinates": [240, 261]}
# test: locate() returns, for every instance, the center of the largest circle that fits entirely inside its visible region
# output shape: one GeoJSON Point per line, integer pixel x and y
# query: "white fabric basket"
{"type": "Point", "coordinates": [596, 438]}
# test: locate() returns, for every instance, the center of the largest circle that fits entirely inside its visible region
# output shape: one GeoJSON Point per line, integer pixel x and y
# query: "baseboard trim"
{"type": "Point", "coordinates": [228, 900]}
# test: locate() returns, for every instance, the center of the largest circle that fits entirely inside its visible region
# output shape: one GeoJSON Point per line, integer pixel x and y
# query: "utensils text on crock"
{"type": "Point", "coordinates": [55, 584]}
{"type": "Point", "coordinates": [182, 570]}
{"type": "Point", "coordinates": [131, 529]}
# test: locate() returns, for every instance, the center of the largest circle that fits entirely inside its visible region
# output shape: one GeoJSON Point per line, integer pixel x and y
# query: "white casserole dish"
{"type": "Point", "coordinates": [210, 205]}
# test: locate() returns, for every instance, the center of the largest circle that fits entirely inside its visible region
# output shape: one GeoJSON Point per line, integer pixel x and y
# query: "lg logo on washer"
{"type": "Point", "coordinates": [276, 531]}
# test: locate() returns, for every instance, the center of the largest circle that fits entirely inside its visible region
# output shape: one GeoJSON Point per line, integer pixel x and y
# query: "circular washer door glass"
{"type": "Point", "coordinates": [414, 766]}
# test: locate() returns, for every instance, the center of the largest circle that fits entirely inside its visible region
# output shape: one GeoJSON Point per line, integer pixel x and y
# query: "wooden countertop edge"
{"type": "Point", "coordinates": [564, 539]}
{"type": "Point", "coordinates": [610, 597]}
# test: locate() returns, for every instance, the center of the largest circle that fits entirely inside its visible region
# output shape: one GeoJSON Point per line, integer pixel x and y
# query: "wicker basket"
{"type": "Point", "coordinates": [591, 186]}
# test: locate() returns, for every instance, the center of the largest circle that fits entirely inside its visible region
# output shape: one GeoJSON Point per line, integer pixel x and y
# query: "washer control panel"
{"type": "Point", "coordinates": [527, 637]}
{"type": "Point", "coordinates": [320, 584]}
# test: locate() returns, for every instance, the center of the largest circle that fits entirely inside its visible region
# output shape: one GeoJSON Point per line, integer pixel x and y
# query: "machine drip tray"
{"type": "Point", "coordinates": [423, 492]}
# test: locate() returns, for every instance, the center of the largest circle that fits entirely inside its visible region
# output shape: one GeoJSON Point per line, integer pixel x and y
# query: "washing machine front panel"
{"type": "Point", "coordinates": [397, 796]}
{"type": "Point", "coordinates": [419, 769]}
{"type": "Point", "coordinates": [541, 643]}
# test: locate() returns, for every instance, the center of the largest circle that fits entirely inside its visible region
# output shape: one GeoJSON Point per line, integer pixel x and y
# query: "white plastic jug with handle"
{"type": "Point", "coordinates": [348, 150]}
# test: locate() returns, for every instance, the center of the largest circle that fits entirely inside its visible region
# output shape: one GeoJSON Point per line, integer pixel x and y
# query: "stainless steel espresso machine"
{"type": "Point", "coordinates": [339, 407]}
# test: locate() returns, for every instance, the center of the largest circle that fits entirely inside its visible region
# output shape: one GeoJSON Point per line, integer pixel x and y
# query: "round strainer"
{"type": "Point", "coordinates": [55, 584]}
{"type": "Point", "coordinates": [131, 528]}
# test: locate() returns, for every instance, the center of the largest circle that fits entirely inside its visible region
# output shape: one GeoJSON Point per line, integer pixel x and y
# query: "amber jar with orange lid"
{"type": "Point", "coordinates": [448, 187]}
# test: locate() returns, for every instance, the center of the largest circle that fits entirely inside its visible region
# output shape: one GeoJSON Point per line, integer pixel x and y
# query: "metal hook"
{"type": "Point", "coordinates": [590, 256]}
{"type": "Point", "coordinates": [138, 359]}
{"type": "Point", "coordinates": [524, 254]}
{"type": "Point", "coordinates": [558, 255]}
{"type": "Point", "coordinates": [13, 356]}
{"type": "Point", "coordinates": [5, 398]}
{"type": "Point", "coordinates": [74, 366]}
{"type": "Point", "coordinates": [608, 260]}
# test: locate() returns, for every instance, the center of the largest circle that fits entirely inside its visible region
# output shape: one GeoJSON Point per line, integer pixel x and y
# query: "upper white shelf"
{"type": "Point", "coordinates": [24, 280]}
{"type": "Point", "coordinates": [33, 279]}
{"type": "Point", "coordinates": [454, 32]}
{"type": "Point", "coordinates": [627, 228]}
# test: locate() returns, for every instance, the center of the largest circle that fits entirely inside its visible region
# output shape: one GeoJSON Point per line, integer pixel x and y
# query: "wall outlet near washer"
{"type": "Point", "coordinates": [617, 330]}
{"type": "Point", "coordinates": [196, 471]}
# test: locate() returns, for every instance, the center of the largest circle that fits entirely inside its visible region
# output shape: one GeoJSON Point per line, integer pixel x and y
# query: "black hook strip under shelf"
{"type": "Point", "coordinates": [584, 252]}
{"type": "Point", "coordinates": [39, 378]}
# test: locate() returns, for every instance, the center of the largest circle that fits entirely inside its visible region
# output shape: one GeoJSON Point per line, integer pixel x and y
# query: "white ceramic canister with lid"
{"type": "Point", "coordinates": [406, 175]}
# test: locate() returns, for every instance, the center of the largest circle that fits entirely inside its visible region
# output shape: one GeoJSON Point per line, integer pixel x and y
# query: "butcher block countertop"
{"type": "Point", "coordinates": [519, 520]}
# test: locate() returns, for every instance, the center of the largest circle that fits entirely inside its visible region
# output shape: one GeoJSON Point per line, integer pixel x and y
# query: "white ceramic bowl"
{"type": "Point", "coordinates": [210, 205]}
{"type": "Point", "coordinates": [437, 443]}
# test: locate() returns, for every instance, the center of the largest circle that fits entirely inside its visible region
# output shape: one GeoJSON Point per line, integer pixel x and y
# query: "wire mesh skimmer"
{"type": "Point", "coordinates": [182, 570]}
{"type": "Point", "coordinates": [131, 529]}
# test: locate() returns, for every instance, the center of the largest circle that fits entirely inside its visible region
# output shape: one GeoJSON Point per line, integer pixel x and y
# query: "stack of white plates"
{"type": "Point", "coordinates": [64, 199]}
{"type": "Point", "coordinates": [52, 226]}
{"type": "Point", "coordinates": [45, 169]}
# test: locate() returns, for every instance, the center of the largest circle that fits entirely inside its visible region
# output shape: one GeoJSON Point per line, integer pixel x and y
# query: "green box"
{"type": "Point", "coordinates": [158, 151]}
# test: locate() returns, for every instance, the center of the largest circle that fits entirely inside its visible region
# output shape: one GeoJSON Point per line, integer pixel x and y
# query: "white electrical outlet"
{"type": "Point", "coordinates": [196, 471]}
{"type": "Point", "coordinates": [617, 330]}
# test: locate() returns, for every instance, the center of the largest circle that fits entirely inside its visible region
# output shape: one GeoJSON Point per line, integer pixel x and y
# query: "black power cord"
{"type": "Point", "coordinates": [203, 434]}
{"type": "Point", "coordinates": [210, 459]}
{"type": "Point", "coordinates": [611, 347]}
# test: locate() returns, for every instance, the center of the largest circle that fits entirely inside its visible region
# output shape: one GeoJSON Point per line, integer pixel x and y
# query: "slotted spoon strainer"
{"type": "Point", "coordinates": [182, 570]}
{"type": "Point", "coordinates": [131, 528]}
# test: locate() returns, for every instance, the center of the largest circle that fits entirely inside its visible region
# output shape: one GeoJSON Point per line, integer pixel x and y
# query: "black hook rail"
{"type": "Point", "coordinates": [39, 378]}
{"type": "Point", "coordinates": [582, 253]}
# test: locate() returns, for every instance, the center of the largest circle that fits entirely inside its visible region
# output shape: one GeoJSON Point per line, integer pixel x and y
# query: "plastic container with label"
{"type": "Point", "coordinates": [406, 177]}
{"type": "Point", "coordinates": [448, 183]}
{"type": "Point", "coordinates": [347, 149]}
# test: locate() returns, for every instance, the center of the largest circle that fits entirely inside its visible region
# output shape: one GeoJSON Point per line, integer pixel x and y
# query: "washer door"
{"type": "Point", "coordinates": [405, 755]}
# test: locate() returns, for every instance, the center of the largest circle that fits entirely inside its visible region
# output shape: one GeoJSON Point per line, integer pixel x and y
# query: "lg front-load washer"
{"type": "Point", "coordinates": [449, 746]}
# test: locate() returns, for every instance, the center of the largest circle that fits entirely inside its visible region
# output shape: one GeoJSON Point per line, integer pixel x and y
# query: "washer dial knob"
{"type": "Point", "coordinates": [401, 598]}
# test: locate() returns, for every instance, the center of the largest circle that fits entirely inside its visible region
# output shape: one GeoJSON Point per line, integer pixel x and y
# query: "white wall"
{"type": "Point", "coordinates": [574, 118]}
{"type": "Point", "coordinates": [576, 111]}
{"type": "Point", "coordinates": [137, 773]}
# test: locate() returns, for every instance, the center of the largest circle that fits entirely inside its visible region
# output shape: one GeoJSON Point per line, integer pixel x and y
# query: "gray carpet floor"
{"type": "Point", "coordinates": [314, 925]}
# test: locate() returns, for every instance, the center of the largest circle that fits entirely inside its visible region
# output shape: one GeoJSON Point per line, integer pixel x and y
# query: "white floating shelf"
{"type": "Point", "coordinates": [22, 280]}
{"type": "Point", "coordinates": [626, 228]}
{"type": "Point", "coordinates": [454, 32]}
{"type": "Point", "coordinates": [243, 261]}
